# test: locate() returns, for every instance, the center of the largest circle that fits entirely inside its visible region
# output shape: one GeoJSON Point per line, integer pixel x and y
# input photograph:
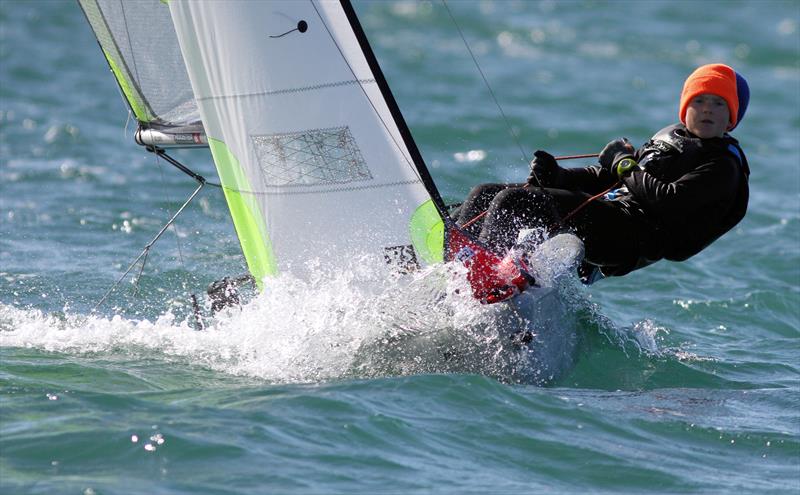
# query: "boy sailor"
{"type": "Point", "coordinates": [669, 199]}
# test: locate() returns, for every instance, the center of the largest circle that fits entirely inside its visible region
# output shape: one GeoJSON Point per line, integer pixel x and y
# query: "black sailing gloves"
{"type": "Point", "coordinates": [545, 171]}
{"type": "Point", "coordinates": [622, 145]}
{"type": "Point", "coordinates": [617, 158]}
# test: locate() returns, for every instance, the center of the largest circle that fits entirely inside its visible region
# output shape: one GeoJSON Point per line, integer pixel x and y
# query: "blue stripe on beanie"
{"type": "Point", "coordinates": [743, 93]}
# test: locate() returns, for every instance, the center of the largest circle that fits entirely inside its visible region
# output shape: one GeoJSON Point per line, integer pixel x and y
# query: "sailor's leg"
{"type": "Point", "coordinates": [613, 238]}
{"type": "Point", "coordinates": [477, 202]}
{"type": "Point", "coordinates": [515, 209]}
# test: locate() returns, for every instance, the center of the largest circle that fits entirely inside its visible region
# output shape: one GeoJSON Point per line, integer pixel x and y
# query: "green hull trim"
{"type": "Point", "coordinates": [247, 218]}
{"type": "Point", "coordinates": [427, 232]}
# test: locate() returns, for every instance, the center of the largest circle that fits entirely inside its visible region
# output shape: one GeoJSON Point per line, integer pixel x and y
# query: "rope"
{"type": "Point", "coordinates": [582, 205]}
{"type": "Point", "coordinates": [573, 212]}
{"type": "Point", "coordinates": [566, 218]}
{"type": "Point", "coordinates": [159, 152]}
{"type": "Point", "coordinates": [146, 250]}
{"type": "Point", "coordinates": [488, 86]}
{"type": "Point", "coordinates": [165, 192]}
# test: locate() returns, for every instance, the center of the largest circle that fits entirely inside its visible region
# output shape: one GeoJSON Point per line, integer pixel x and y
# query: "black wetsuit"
{"type": "Point", "coordinates": [688, 193]}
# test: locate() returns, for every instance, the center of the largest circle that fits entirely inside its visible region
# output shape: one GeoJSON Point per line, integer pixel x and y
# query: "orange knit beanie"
{"type": "Point", "coordinates": [718, 79]}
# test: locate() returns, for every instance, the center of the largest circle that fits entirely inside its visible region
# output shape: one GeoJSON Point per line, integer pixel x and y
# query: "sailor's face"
{"type": "Point", "coordinates": [707, 116]}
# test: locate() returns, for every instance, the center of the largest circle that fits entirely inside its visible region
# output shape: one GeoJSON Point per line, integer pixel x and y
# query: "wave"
{"type": "Point", "coordinates": [353, 325]}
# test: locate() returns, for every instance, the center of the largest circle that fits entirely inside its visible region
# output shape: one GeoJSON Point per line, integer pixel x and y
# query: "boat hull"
{"type": "Point", "coordinates": [437, 326]}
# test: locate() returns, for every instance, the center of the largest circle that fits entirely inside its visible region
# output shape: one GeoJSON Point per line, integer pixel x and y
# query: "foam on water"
{"type": "Point", "coordinates": [362, 322]}
{"type": "Point", "coordinates": [687, 373]}
{"type": "Point", "coordinates": [344, 324]}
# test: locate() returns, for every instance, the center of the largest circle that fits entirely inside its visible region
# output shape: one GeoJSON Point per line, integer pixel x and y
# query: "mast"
{"type": "Point", "coordinates": [397, 115]}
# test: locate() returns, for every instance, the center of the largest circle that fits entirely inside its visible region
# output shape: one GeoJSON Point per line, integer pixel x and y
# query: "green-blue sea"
{"type": "Point", "coordinates": [687, 376]}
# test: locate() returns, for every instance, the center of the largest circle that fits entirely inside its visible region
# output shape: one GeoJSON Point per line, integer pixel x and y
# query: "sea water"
{"type": "Point", "coordinates": [686, 374]}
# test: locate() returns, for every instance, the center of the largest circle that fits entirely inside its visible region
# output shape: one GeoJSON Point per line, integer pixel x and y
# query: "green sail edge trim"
{"type": "Point", "coordinates": [246, 214]}
{"type": "Point", "coordinates": [427, 232]}
{"type": "Point", "coordinates": [139, 110]}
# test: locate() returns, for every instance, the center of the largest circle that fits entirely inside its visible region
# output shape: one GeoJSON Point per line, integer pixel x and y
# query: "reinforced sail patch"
{"type": "Point", "coordinates": [311, 157]}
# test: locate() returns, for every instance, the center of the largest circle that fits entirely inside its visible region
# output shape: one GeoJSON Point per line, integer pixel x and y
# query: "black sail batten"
{"type": "Point", "coordinates": [394, 109]}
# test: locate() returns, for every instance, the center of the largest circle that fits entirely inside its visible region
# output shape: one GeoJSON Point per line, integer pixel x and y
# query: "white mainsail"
{"type": "Point", "coordinates": [310, 148]}
{"type": "Point", "coordinates": [314, 157]}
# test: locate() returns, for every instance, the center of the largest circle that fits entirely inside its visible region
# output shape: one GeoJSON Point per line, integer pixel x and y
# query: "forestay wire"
{"type": "Point", "coordinates": [202, 182]}
{"type": "Point", "coordinates": [149, 245]}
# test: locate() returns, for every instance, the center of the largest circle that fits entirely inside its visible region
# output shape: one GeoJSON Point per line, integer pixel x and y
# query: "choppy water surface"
{"type": "Point", "coordinates": [686, 377]}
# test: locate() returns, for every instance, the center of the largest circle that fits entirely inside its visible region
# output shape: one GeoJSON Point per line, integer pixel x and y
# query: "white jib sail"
{"type": "Point", "coordinates": [314, 165]}
{"type": "Point", "coordinates": [139, 43]}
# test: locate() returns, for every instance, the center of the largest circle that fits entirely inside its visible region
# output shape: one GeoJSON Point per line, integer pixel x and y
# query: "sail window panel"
{"type": "Point", "coordinates": [340, 136]}
{"type": "Point", "coordinates": [311, 138]}
{"type": "Point", "coordinates": [314, 156]}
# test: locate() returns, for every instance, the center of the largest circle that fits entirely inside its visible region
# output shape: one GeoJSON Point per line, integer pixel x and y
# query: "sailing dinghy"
{"type": "Point", "coordinates": [315, 159]}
